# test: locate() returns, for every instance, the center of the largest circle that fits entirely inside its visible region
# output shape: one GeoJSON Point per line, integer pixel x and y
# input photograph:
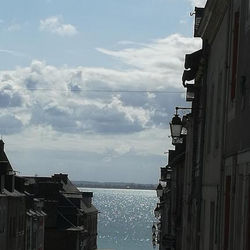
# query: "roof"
{"type": "Point", "coordinates": [31, 212]}
{"type": "Point", "coordinates": [72, 195]}
{"type": "Point", "coordinates": [5, 165]}
{"type": "Point", "coordinates": [69, 187]}
{"type": "Point", "coordinates": [76, 228]}
{"type": "Point", "coordinates": [15, 193]}
{"type": "Point", "coordinates": [87, 210]}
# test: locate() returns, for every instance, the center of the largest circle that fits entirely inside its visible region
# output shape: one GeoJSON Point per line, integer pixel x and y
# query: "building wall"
{"type": "Point", "coordinates": [16, 222]}
{"type": "Point", "coordinates": [225, 191]}
{"type": "Point", "coordinates": [63, 240]}
{"type": "Point", "coordinates": [34, 232]}
{"type": "Point", "coordinates": [214, 134]}
{"type": "Point", "coordinates": [3, 221]}
{"type": "Point", "coordinates": [187, 184]}
{"type": "Point", "coordinates": [235, 205]}
{"type": "Point", "coordinates": [216, 182]}
{"type": "Point", "coordinates": [238, 107]}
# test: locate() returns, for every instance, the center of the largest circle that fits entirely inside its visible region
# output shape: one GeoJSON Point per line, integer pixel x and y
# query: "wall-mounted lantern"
{"type": "Point", "coordinates": [159, 190]}
{"type": "Point", "coordinates": [153, 229]}
{"type": "Point", "coordinates": [176, 127]}
{"type": "Point", "coordinates": [157, 211]}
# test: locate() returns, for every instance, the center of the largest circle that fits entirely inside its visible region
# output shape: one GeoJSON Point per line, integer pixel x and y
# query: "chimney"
{"type": "Point", "coordinates": [87, 198]}
{"type": "Point", "coordinates": [60, 177]}
{"type": "Point", "coordinates": [2, 183]}
{"type": "Point", "coordinates": [1, 146]}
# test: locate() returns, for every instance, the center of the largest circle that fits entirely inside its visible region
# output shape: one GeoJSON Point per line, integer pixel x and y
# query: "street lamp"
{"type": "Point", "coordinates": [159, 190]}
{"type": "Point", "coordinates": [153, 229]}
{"type": "Point", "coordinates": [157, 211]}
{"type": "Point", "coordinates": [176, 127]}
{"type": "Point", "coordinates": [154, 236]}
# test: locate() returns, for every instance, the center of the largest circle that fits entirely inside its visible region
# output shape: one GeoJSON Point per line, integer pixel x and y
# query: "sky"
{"type": "Point", "coordinates": [88, 87]}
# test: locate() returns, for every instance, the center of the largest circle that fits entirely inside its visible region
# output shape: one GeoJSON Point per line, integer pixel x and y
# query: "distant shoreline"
{"type": "Point", "coordinates": [114, 185]}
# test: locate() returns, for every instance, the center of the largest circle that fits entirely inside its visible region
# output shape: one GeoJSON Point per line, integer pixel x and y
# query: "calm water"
{"type": "Point", "coordinates": [125, 219]}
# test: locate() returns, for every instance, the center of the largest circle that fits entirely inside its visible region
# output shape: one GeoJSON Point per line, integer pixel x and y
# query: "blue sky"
{"type": "Point", "coordinates": [70, 72]}
{"type": "Point", "coordinates": [97, 23]}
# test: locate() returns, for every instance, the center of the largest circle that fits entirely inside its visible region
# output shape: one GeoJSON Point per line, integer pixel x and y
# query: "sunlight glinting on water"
{"type": "Point", "coordinates": [125, 218]}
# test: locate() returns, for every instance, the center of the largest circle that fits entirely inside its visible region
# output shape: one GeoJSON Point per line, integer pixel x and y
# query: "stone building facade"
{"type": "Point", "coordinates": [215, 197]}
{"type": "Point", "coordinates": [44, 213]}
{"type": "Point", "coordinates": [12, 207]}
{"type": "Point", "coordinates": [71, 221]}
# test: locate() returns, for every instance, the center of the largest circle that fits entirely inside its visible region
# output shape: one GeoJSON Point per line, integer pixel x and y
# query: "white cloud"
{"type": "Point", "coordinates": [12, 52]}
{"type": "Point", "coordinates": [95, 119]}
{"type": "Point", "coordinates": [198, 3]}
{"type": "Point", "coordinates": [94, 116]}
{"type": "Point", "coordinates": [14, 27]}
{"type": "Point", "coordinates": [161, 60]}
{"type": "Point", "coordinates": [95, 100]}
{"type": "Point", "coordinates": [55, 25]}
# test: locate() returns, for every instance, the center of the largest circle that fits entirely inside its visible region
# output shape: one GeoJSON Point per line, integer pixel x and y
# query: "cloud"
{"type": "Point", "coordinates": [12, 53]}
{"type": "Point", "coordinates": [14, 27]}
{"type": "Point", "coordinates": [164, 56]}
{"type": "Point", "coordinates": [9, 124]}
{"type": "Point", "coordinates": [56, 26]}
{"type": "Point", "coordinates": [198, 3]}
{"type": "Point", "coordinates": [84, 100]}
{"type": "Point", "coordinates": [10, 99]}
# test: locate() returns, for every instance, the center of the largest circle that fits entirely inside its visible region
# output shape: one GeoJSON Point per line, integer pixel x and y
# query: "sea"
{"type": "Point", "coordinates": [125, 218]}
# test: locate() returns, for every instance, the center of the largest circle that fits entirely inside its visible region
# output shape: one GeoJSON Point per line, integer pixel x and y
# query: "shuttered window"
{"type": "Point", "coordinates": [235, 53]}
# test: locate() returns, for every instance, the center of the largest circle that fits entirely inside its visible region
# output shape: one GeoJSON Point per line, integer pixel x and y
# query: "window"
{"type": "Point", "coordinates": [248, 10]}
{"type": "Point", "coordinates": [1, 221]}
{"type": "Point", "coordinates": [217, 125]}
{"type": "Point", "coordinates": [227, 212]}
{"type": "Point", "coordinates": [247, 238]}
{"type": "Point", "coordinates": [10, 226]}
{"type": "Point", "coordinates": [235, 53]}
{"type": "Point", "coordinates": [211, 118]}
{"type": "Point", "coordinates": [212, 213]}
{"type": "Point", "coordinates": [238, 211]}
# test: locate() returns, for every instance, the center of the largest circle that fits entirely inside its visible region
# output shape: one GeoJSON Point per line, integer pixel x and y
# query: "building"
{"type": "Point", "coordinates": [12, 207]}
{"type": "Point", "coordinates": [71, 221]}
{"type": "Point", "coordinates": [215, 195]}
{"type": "Point", "coordinates": [44, 213]}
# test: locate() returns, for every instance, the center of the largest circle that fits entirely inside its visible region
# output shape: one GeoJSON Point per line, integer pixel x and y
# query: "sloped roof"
{"type": "Point", "coordinates": [69, 187]}
{"type": "Point", "coordinates": [86, 210]}
{"type": "Point", "coordinates": [15, 193]}
{"type": "Point", "coordinates": [5, 165]}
